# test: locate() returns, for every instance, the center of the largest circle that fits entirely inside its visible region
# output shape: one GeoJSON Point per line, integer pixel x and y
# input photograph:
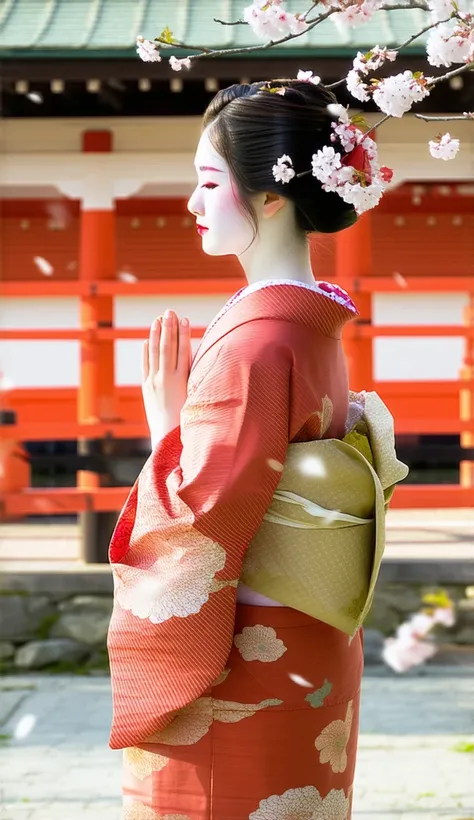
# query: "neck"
{"type": "Point", "coordinates": [278, 252]}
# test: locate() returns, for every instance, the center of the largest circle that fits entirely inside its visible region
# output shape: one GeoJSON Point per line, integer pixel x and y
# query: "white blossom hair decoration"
{"type": "Point", "coordinates": [351, 171]}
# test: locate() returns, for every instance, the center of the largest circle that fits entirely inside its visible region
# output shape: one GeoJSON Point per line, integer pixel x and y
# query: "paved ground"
{"type": "Point", "coordinates": [411, 534]}
{"type": "Point", "coordinates": [415, 761]}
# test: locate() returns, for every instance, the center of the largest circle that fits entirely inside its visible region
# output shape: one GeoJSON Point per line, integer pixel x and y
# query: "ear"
{"type": "Point", "coordinates": [273, 203]}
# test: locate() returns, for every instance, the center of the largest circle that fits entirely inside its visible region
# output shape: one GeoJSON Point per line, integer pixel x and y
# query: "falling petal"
{"type": "Point", "coordinates": [300, 681]}
{"type": "Point", "coordinates": [312, 466]}
{"type": "Point", "coordinates": [275, 465]}
{"type": "Point", "coordinates": [400, 280]}
{"type": "Point", "coordinates": [126, 276]}
{"type": "Point", "coordinates": [72, 265]}
{"type": "Point", "coordinates": [35, 97]}
{"type": "Point", "coordinates": [6, 383]}
{"type": "Point", "coordinates": [58, 214]}
{"type": "Point", "coordinates": [43, 265]}
{"type": "Point", "coordinates": [24, 726]}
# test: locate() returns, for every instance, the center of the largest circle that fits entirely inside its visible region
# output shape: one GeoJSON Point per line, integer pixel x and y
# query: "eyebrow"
{"type": "Point", "coordinates": [209, 168]}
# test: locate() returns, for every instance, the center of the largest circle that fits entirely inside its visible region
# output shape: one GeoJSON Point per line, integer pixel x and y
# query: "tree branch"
{"type": "Point", "coordinates": [403, 45]}
{"type": "Point", "coordinates": [468, 115]}
{"type": "Point", "coordinates": [209, 52]}
{"type": "Point", "coordinates": [432, 81]}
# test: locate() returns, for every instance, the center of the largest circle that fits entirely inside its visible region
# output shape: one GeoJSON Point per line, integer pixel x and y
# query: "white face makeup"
{"type": "Point", "coordinates": [214, 203]}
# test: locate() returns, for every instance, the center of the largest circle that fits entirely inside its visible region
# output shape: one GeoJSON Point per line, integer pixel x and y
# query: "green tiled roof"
{"type": "Point", "coordinates": [108, 28]}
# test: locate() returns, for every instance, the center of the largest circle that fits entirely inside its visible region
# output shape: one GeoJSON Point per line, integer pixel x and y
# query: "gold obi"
{"type": "Point", "coordinates": [320, 546]}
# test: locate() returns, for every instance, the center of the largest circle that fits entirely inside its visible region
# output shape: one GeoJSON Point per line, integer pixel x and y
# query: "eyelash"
{"type": "Point", "coordinates": [209, 185]}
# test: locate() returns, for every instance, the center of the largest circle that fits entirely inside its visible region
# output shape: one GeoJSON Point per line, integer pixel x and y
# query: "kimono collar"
{"type": "Point", "coordinates": [322, 307]}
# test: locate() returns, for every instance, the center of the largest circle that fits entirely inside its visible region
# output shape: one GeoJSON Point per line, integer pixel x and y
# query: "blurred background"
{"type": "Point", "coordinates": [96, 167]}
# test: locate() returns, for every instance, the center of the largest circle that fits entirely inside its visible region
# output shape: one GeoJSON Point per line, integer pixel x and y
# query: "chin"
{"type": "Point", "coordinates": [213, 249]}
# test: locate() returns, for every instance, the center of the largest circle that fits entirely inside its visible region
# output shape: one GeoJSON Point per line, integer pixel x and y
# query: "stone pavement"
{"type": "Point", "coordinates": [415, 753]}
{"type": "Point", "coordinates": [411, 534]}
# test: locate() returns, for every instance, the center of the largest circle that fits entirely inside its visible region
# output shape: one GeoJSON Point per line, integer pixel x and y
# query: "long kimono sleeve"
{"type": "Point", "coordinates": [178, 547]}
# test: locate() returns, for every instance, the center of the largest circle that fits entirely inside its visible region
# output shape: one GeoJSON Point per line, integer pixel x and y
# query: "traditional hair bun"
{"type": "Point", "coordinates": [256, 123]}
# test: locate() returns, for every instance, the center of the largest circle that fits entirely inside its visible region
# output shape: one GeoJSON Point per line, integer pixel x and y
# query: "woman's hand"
{"type": "Point", "coordinates": [166, 366]}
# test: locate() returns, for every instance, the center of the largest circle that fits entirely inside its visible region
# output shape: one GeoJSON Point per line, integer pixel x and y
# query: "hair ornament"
{"type": "Point", "coordinates": [352, 170]}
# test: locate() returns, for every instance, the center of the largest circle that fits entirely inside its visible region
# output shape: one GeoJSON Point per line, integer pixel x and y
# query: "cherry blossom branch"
{"type": "Point", "coordinates": [468, 115]}
{"type": "Point", "coordinates": [432, 81]}
{"type": "Point", "coordinates": [208, 52]}
{"type": "Point", "coordinates": [403, 45]}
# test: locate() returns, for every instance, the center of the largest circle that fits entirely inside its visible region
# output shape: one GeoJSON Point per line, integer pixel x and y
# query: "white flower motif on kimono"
{"type": "Point", "coordinates": [303, 804]}
{"type": "Point", "coordinates": [229, 711]}
{"type": "Point", "coordinates": [176, 585]}
{"type": "Point", "coordinates": [335, 806]}
{"type": "Point", "coordinates": [259, 643]}
{"type": "Point", "coordinates": [195, 720]}
{"type": "Point", "coordinates": [444, 147]}
{"type": "Point", "coordinates": [142, 763]}
{"type": "Point", "coordinates": [189, 725]}
{"type": "Point", "coordinates": [333, 740]}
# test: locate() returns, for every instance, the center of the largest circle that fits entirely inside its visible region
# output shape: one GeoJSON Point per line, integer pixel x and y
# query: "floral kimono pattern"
{"type": "Point", "coordinates": [227, 711]}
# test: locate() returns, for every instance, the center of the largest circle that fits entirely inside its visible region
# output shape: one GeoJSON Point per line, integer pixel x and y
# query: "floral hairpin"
{"type": "Point", "coordinates": [355, 174]}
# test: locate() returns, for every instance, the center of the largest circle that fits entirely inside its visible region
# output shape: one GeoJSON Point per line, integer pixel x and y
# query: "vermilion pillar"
{"type": "Point", "coordinates": [96, 395]}
{"type": "Point", "coordinates": [466, 396]}
{"type": "Point", "coordinates": [353, 261]}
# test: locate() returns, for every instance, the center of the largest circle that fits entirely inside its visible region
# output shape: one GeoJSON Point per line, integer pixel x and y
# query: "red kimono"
{"type": "Point", "coordinates": [230, 712]}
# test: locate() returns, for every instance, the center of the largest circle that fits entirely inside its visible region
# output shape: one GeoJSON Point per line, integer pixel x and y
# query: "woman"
{"type": "Point", "coordinates": [245, 557]}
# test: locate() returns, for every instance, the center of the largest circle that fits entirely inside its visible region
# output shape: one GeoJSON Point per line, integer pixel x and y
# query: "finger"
{"type": "Point", "coordinates": [145, 361]}
{"type": "Point", "coordinates": [169, 341]}
{"type": "Point", "coordinates": [184, 346]}
{"type": "Point", "coordinates": [154, 347]}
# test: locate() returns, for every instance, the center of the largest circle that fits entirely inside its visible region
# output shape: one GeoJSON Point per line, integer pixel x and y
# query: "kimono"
{"type": "Point", "coordinates": [228, 711]}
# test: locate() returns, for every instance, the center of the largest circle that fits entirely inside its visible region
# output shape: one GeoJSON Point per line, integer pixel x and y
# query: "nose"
{"type": "Point", "coordinates": [194, 203]}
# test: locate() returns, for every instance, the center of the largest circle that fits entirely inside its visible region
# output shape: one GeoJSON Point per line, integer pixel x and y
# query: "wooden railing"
{"type": "Point", "coordinates": [435, 407]}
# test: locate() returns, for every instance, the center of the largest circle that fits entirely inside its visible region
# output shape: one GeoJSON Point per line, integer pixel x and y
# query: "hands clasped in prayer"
{"type": "Point", "coordinates": [165, 372]}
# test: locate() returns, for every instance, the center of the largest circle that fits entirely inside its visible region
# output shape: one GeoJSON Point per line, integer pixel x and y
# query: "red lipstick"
{"type": "Point", "coordinates": [201, 229]}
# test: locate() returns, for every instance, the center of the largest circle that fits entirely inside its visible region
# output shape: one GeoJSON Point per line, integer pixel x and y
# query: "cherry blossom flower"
{"type": "Point", "coordinates": [449, 44]}
{"type": "Point", "coordinates": [440, 9]}
{"type": "Point", "coordinates": [357, 178]}
{"type": "Point", "coordinates": [403, 655]}
{"type": "Point", "coordinates": [177, 65]}
{"type": "Point", "coordinates": [444, 616]}
{"type": "Point", "coordinates": [409, 647]}
{"type": "Point", "coordinates": [355, 12]}
{"type": "Point", "coordinates": [357, 87]}
{"type": "Point", "coordinates": [395, 95]}
{"type": "Point", "coordinates": [269, 20]}
{"type": "Point", "coordinates": [444, 147]}
{"type": "Point", "coordinates": [373, 59]}
{"type": "Point", "coordinates": [308, 77]}
{"type": "Point", "coordinates": [282, 171]}
{"type": "Point", "coordinates": [325, 162]}
{"type": "Point", "coordinates": [147, 51]}
{"type": "Point", "coordinates": [337, 110]}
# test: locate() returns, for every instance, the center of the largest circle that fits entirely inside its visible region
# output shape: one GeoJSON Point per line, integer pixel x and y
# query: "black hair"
{"type": "Point", "coordinates": [252, 126]}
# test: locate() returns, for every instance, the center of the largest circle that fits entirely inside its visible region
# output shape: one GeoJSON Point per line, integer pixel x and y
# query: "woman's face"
{"type": "Point", "coordinates": [215, 204]}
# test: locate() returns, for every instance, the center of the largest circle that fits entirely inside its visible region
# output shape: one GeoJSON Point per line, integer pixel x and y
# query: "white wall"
{"type": "Point", "coordinates": [56, 364]}
{"type": "Point", "coordinates": [415, 358]}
